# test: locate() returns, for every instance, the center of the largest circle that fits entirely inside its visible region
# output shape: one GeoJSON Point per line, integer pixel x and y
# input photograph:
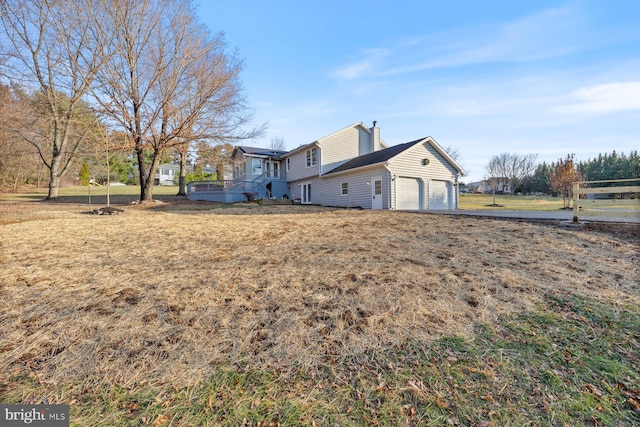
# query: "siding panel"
{"type": "Point", "coordinates": [359, 184]}
{"type": "Point", "coordinates": [298, 166]}
{"type": "Point", "coordinates": [410, 164]}
{"type": "Point", "coordinates": [339, 148]}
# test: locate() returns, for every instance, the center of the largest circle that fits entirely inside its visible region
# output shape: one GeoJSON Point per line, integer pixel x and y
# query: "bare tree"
{"type": "Point", "coordinates": [509, 169]}
{"type": "Point", "coordinates": [454, 153]}
{"type": "Point", "coordinates": [217, 155]}
{"type": "Point", "coordinates": [169, 81]}
{"type": "Point", "coordinates": [494, 174]}
{"type": "Point", "coordinates": [52, 51]}
{"type": "Point", "coordinates": [277, 143]}
{"type": "Point", "coordinates": [18, 160]}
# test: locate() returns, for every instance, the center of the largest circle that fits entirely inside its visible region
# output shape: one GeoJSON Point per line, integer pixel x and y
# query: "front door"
{"type": "Point", "coordinates": [306, 193]}
{"type": "Point", "coordinates": [376, 193]}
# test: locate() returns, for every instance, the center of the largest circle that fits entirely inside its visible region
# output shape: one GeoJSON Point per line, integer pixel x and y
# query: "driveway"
{"type": "Point", "coordinates": [619, 216]}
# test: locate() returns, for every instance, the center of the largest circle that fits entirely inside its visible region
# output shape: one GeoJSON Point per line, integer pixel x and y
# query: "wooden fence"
{"type": "Point", "coordinates": [580, 188]}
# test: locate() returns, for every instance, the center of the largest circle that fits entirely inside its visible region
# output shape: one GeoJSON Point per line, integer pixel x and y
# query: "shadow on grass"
{"type": "Point", "coordinates": [95, 201]}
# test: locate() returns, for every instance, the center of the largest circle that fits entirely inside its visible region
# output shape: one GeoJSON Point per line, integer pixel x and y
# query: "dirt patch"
{"type": "Point", "coordinates": [164, 295]}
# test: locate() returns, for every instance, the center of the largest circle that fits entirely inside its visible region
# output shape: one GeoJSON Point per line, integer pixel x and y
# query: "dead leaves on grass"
{"type": "Point", "coordinates": [169, 303]}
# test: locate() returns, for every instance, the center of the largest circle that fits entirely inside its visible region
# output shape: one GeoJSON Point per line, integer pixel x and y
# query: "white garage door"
{"type": "Point", "coordinates": [439, 195]}
{"type": "Point", "coordinates": [407, 193]}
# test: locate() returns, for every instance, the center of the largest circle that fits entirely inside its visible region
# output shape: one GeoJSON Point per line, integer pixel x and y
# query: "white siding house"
{"type": "Point", "coordinates": [354, 167]}
{"type": "Point", "coordinates": [416, 175]}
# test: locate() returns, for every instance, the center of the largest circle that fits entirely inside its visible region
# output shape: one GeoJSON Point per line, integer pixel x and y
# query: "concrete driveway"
{"type": "Point", "coordinates": [619, 216]}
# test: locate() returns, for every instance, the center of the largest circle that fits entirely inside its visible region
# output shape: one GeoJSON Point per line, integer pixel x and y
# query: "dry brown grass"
{"type": "Point", "coordinates": [165, 294]}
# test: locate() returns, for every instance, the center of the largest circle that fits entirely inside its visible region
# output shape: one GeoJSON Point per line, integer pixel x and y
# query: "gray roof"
{"type": "Point", "coordinates": [375, 157]}
{"type": "Point", "coordinates": [261, 151]}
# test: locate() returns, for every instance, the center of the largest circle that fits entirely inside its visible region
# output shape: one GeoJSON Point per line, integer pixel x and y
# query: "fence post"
{"type": "Point", "coordinates": [576, 201]}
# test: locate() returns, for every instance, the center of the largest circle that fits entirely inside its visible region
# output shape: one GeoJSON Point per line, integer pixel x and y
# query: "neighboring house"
{"type": "Point", "coordinates": [352, 167]}
{"type": "Point", "coordinates": [502, 185]}
{"type": "Point", "coordinates": [167, 173]}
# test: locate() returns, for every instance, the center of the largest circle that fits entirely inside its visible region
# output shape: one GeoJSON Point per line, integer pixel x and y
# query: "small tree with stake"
{"type": "Point", "coordinates": [562, 178]}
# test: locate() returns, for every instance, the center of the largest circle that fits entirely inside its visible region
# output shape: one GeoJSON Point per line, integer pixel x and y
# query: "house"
{"type": "Point", "coordinates": [167, 173]}
{"type": "Point", "coordinates": [502, 186]}
{"type": "Point", "coordinates": [263, 166]}
{"type": "Point", "coordinates": [352, 167]}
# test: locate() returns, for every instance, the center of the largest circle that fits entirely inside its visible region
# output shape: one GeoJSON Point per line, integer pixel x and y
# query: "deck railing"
{"type": "Point", "coordinates": [226, 185]}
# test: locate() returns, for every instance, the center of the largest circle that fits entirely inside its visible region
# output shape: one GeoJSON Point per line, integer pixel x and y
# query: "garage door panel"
{"type": "Point", "coordinates": [439, 195]}
{"type": "Point", "coordinates": [408, 192]}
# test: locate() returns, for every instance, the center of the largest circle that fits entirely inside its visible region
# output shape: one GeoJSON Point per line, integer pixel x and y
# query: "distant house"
{"type": "Point", "coordinates": [502, 186]}
{"type": "Point", "coordinates": [167, 173]}
{"type": "Point", "coordinates": [352, 167]}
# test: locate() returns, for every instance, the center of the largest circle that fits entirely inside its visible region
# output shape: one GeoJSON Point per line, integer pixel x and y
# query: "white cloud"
{"type": "Point", "coordinates": [354, 71]}
{"type": "Point", "coordinates": [547, 34]}
{"type": "Point", "coordinates": [604, 98]}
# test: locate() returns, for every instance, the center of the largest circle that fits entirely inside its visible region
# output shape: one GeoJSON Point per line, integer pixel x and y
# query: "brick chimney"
{"type": "Point", "coordinates": [375, 137]}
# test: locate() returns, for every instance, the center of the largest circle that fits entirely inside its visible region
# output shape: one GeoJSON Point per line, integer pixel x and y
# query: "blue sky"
{"type": "Point", "coordinates": [543, 77]}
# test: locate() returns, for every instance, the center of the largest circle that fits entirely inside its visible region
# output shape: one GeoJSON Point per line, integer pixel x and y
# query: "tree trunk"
{"type": "Point", "coordinates": [54, 179]}
{"type": "Point", "coordinates": [147, 176]}
{"type": "Point", "coordinates": [142, 174]}
{"type": "Point", "coordinates": [147, 191]}
{"type": "Point", "coordinates": [182, 180]}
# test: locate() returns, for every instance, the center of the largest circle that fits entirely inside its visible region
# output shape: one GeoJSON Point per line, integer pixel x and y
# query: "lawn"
{"type": "Point", "coordinates": [507, 202]}
{"type": "Point", "coordinates": [190, 314]}
{"type": "Point", "coordinates": [121, 194]}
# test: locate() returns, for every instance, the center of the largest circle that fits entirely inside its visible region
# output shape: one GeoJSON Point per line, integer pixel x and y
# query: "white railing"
{"type": "Point", "coordinates": [581, 188]}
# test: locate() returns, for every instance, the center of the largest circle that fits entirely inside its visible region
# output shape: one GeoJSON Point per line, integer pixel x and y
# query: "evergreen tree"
{"type": "Point", "coordinates": [539, 181]}
{"type": "Point", "coordinates": [84, 175]}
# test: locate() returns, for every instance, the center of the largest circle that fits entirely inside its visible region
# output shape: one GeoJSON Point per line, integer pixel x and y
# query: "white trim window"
{"type": "Point", "coordinates": [287, 163]}
{"type": "Point", "coordinates": [345, 188]}
{"type": "Point", "coordinates": [312, 156]}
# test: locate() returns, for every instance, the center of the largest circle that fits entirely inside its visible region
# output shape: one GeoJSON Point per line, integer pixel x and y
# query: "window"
{"type": "Point", "coordinates": [312, 157]}
{"type": "Point", "coordinates": [345, 188]}
{"type": "Point", "coordinates": [287, 162]}
{"type": "Point", "coordinates": [256, 164]}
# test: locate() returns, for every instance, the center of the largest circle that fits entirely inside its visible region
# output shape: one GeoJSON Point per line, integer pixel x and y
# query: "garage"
{"type": "Point", "coordinates": [408, 193]}
{"type": "Point", "coordinates": [439, 195]}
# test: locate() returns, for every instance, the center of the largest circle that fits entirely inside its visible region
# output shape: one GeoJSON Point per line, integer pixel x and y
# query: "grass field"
{"type": "Point", "coordinates": [628, 207]}
{"type": "Point", "coordinates": [191, 314]}
{"type": "Point", "coordinates": [507, 202]}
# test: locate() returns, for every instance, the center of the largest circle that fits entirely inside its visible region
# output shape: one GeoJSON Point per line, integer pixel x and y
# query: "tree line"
{"type": "Point", "coordinates": [123, 82]}
{"type": "Point", "coordinates": [517, 173]}
{"type": "Point", "coordinates": [607, 166]}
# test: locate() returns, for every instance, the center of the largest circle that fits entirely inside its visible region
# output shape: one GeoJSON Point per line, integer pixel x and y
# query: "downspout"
{"type": "Point", "coordinates": [457, 188]}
